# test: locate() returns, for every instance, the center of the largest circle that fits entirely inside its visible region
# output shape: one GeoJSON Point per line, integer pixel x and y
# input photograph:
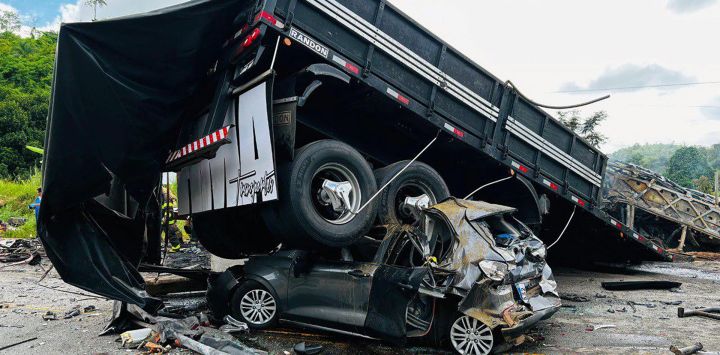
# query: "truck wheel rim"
{"type": "Point", "coordinates": [258, 306]}
{"type": "Point", "coordinates": [470, 336]}
{"type": "Point", "coordinates": [411, 189]}
{"type": "Point", "coordinates": [337, 173]}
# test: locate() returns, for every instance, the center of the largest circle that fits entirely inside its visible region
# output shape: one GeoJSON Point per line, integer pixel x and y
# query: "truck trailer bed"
{"type": "Point", "coordinates": [376, 43]}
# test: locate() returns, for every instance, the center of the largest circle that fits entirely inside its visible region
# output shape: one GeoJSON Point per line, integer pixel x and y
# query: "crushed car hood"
{"type": "Point", "coordinates": [528, 287]}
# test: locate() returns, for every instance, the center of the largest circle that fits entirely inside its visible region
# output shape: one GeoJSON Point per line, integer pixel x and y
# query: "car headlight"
{"type": "Point", "coordinates": [494, 270]}
{"type": "Point", "coordinates": [539, 253]}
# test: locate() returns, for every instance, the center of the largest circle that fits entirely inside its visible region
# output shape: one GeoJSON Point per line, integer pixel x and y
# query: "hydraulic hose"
{"type": "Point", "coordinates": [511, 85]}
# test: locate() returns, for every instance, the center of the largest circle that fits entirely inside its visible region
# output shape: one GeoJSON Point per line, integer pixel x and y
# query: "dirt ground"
{"type": "Point", "coordinates": [648, 326]}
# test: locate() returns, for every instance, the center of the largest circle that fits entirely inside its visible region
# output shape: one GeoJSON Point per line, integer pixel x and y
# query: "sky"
{"type": "Point", "coordinates": [659, 59]}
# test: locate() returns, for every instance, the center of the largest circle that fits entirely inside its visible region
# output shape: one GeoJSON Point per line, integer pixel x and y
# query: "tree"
{"type": "Point", "coordinates": [95, 4]}
{"type": "Point", "coordinates": [704, 184]}
{"type": "Point", "coordinates": [26, 66]}
{"type": "Point", "coordinates": [686, 165]}
{"type": "Point", "coordinates": [9, 21]}
{"type": "Point", "coordinates": [585, 127]}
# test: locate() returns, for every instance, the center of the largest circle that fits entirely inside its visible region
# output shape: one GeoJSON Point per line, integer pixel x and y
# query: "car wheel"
{"type": "Point", "coordinates": [471, 336]}
{"type": "Point", "coordinates": [417, 180]}
{"type": "Point", "coordinates": [255, 305]}
{"type": "Point", "coordinates": [307, 213]}
{"type": "Point", "coordinates": [233, 233]}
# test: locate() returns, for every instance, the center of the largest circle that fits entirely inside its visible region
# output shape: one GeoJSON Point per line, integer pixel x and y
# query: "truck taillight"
{"type": "Point", "coordinates": [267, 16]}
{"type": "Point", "coordinates": [248, 41]}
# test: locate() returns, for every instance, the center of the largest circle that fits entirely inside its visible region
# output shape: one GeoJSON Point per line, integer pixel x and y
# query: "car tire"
{"type": "Point", "coordinates": [301, 218]}
{"type": "Point", "coordinates": [418, 179]}
{"type": "Point", "coordinates": [233, 233]}
{"type": "Point", "coordinates": [255, 305]}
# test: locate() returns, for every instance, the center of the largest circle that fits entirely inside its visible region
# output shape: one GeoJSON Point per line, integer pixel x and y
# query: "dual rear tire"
{"type": "Point", "coordinates": [308, 215]}
{"type": "Point", "coordinates": [305, 217]}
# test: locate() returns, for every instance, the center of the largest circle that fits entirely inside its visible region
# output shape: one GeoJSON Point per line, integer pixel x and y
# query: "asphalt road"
{"type": "Point", "coordinates": [648, 326]}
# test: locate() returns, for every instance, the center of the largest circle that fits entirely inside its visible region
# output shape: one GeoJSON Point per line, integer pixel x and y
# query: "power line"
{"type": "Point", "coordinates": [637, 87]}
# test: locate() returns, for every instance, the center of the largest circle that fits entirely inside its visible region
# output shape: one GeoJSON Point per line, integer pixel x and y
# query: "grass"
{"type": "Point", "coordinates": [15, 197]}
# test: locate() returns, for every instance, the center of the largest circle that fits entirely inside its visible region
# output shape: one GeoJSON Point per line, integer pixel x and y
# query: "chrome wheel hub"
{"type": "Point", "coordinates": [470, 336]}
{"type": "Point", "coordinates": [336, 193]}
{"type": "Point", "coordinates": [258, 306]}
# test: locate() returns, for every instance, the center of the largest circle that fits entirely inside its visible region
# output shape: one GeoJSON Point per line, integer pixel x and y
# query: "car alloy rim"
{"type": "Point", "coordinates": [337, 173]}
{"type": "Point", "coordinates": [470, 336]}
{"type": "Point", "coordinates": [258, 306]}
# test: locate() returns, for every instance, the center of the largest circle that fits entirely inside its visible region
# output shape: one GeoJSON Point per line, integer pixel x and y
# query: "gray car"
{"type": "Point", "coordinates": [468, 275]}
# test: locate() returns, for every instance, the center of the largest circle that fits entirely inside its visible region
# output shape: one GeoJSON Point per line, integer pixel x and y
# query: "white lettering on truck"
{"type": "Point", "coordinates": [309, 42]}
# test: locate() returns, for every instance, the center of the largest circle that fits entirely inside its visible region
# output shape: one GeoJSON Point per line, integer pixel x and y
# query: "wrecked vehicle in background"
{"type": "Point", "coordinates": [467, 275]}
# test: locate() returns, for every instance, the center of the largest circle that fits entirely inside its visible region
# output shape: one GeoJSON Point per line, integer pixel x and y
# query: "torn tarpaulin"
{"type": "Point", "coordinates": [120, 90]}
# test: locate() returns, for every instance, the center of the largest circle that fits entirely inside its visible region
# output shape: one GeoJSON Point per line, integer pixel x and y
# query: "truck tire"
{"type": "Point", "coordinates": [303, 217]}
{"type": "Point", "coordinates": [233, 233]}
{"type": "Point", "coordinates": [418, 179]}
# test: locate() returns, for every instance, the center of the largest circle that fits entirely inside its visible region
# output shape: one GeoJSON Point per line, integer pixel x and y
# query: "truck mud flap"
{"type": "Point", "coordinates": [120, 91]}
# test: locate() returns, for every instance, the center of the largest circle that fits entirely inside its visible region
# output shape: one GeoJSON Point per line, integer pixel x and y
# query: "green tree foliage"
{"type": "Point", "coordinates": [704, 184]}
{"type": "Point", "coordinates": [26, 66]}
{"type": "Point", "coordinates": [652, 156]}
{"type": "Point", "coordinates": [686, 165]}
{"type": "Point", "coordinates": [585, 127]}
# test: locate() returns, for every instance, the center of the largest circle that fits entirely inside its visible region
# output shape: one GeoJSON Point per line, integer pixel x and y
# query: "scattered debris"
{"type": "Point", "coordinates": [713, 312]}
{"type": "Point", "coordinates": [671, 303]}
{"type": "Point", "coordinates": [648, 305]}
{"type": "Point", "coordinates": [17, 343]}
{"type": "Point", "coordinates": [134, 338]}
{"type": "Point", "coordinates": [306, 349]}
{"type": "Point", "coordinates": [640, 285]}
{"type": "Point", "coordinates": [598, 327]}
{"type": "Point", "coordinates": [50, 315]}
{"type": "Point", "coordinates": [73, 312]}
{"type": "Point", "coordinates": [16, 221]}
{"type": "Point", "coordinates": [233, 325]}
{"type": "Point", "coordinates": [574, 297]}
{"type": "Point", "coordinates": [686, 350]}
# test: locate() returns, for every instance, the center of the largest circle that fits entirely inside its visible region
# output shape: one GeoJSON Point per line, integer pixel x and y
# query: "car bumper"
{"type": "Point", "coordinates": [529, 322]}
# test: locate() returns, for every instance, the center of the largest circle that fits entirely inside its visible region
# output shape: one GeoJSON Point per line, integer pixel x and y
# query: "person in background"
{"type": "Point", "coordinates": [36, 204]}
{"type": "Point", "coordinates": [168, 212]}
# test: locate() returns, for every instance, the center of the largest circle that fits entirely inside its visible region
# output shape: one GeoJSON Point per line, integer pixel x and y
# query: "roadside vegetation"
{"type": "Point", "coordinates": [15, 197]}
{"type": "Point", "coordinates": [692, 167]}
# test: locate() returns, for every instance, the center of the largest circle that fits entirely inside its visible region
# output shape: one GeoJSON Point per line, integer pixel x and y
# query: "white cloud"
{"type": "Point", "coordinates": [711, 110]}
{"type": "Point", "coordinates": [688, 6]}
{"type": "Point", "coordinates": [632, 77]}
{"type": "Point", "coordinates": [24, 30]}
{"type": "Point", "coordinates": [79, 11]}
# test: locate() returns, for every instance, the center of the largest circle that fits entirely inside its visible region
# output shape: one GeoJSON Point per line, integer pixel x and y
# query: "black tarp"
{"type": "Point", "coordinates": [120, 91]}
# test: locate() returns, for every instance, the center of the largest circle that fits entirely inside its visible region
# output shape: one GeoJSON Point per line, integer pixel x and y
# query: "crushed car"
{"type": "Point", "coordinates": [466, 275]}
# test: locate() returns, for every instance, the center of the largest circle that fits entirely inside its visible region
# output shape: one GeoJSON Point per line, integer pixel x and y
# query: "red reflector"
{"type": "Point", "coordinates": [459, 133]}
{"type": "Point", "coordinates": [266, 15]}
{"type": "Point", "coordinates": [255, 34]}
{"type": "Point", "coordinates": [523, 168]}
{"type": "Point", "coordinates": [553, 186]}
{"type": "Point", "coordinates": [660, 250]}
{"type": "Point", "coordinates": [352, 68]}
{"type": "Point", "coordinates": [403, 99]}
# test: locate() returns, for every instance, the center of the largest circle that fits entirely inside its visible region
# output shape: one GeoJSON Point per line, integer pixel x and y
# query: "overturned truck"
{"type": "Point", "coordinates": [294, 124]}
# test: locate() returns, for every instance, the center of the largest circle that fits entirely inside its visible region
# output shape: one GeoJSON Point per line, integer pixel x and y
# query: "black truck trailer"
{"type": "Point", "coordinates": [365, 74]}
{"type": "Point", "coordinates": [301, 122]}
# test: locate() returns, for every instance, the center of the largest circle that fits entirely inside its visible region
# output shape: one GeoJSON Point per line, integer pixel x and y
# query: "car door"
{"type": "Point", "coordinates": [331, 293]}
